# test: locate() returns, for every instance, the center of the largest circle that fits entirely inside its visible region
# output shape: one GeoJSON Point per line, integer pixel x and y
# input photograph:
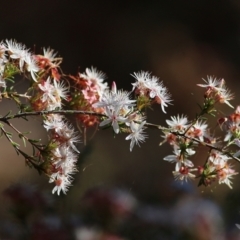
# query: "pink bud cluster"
{"type": "Point", "coordinates": [87, 89]}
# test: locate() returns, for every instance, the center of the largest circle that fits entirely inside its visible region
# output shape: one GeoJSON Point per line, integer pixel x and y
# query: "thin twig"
{"type": "Point", "coordinates": [40, 113]}
{"type": "Point", "coordinates": [193, 139]}
{"type": "Point", "coordinates": [150, 125]}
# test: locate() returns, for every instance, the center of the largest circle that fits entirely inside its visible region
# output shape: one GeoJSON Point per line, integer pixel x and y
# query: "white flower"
{"type": "Point", "coordinates": [211, 83]}
{"type": "Point", "coordinates": [114, 99]}
{"type": "Point", "coordinates": [136, 117]}
{"type": "Point", "coordinates": [53, 93]}
{"type": "Point", "coordinates": [232, 129]}
{"type": "Point", "coordinates": [62, 184]}
{"type": "Point", "coordinates": [17, 51]}
{"type": "Point", "coordinates": [32, 66]}
{"type": "Point", "coordinates": [180, 159]}
{"type": "Point", "coordinates": [163, 98]}
{"type": "Point", "coordinates": [154, 86]}
{"type": "Point", "coordinates": [216, 89]}
{"type": "Point", "coordinates": [62, 156]}
{"type": "Point", "coordinates": [95, 78]}
{"type": "Point", "coordinates": [48, 89]}
{"type": "Point", "coordinates": [141, 85]}
{"type": "Point", "coordinates": [49, 54]}
{"type": "Point", "coordinates": [150, 86]}
{"type": "Point", "coordinates": [198, 130]}
{"type": "Point", "coordinates": [137, 136]}
{"type": "Point", "coordinates": [68, 136]}
{"type": "Point", "coordinates": [224, 96]}
{"type": "Point", "coordinates": [217, 158]}
{"type": "Point", "coordinates": [225, 174]}
{"type": "Point", "coordinates": [184, 173]}
{"type": "Point", "coordinates": [179, 123]}
{"type": "Point", "coordinates": [60, 91]}
{"type": "Point", "coordinates": [63, 161]}
{"type": "Point", "coordinates": [93, 73]}
{"type": "Point", "coordinates": [114, 118]}
{"type": "Point", "coordinates": [54, 121]}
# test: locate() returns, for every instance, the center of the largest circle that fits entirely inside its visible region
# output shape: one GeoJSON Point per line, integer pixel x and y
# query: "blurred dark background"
{"type": "Point", "coordinates": [179, 41]}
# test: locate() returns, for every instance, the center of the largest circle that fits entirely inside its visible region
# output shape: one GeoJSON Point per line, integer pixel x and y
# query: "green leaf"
{"type": "Point", "coordinates": [21, 136]}
{"type": "Point", "coordinates": [15, 144]}
{"type": "Point", "coordinates": [34, 140]}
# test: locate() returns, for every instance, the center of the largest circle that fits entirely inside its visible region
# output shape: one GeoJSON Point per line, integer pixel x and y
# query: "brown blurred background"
{"type": "Point", "coordinates": [179, 41]}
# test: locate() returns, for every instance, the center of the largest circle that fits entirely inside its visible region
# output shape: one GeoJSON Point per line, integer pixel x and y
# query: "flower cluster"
{"type": "Point", "coordinates": [231, 124]}
{"type": "Point", "coordinates": [182, 146]}
{"type": "Point", "coordinates": [87, 88]}
{"type": "Point", "coordinates": [185, 136]}
{"type": "Point", "coordinates": [216, 91]}
{"type": "Point", "coordinates": [121, 114]}
{"type": "Point", "coordinates": [217, 168]}
{"type": "Point", "coordinates": [61, 152]}
{"type": "Point", "coordinates": [50, 90]}
{"type": "Point", "coordinates": [14, 57]}
{"type": "Point", "coordinates": [149, 87]}
{"type": "Point", "coordinates": [93, 103]}
{"type": "Point", "coordinates": [126, 115]}
{"type": "Point", "coordinates": [90, 93]}
{"type": "Point", "coordinates": [47, 92]}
